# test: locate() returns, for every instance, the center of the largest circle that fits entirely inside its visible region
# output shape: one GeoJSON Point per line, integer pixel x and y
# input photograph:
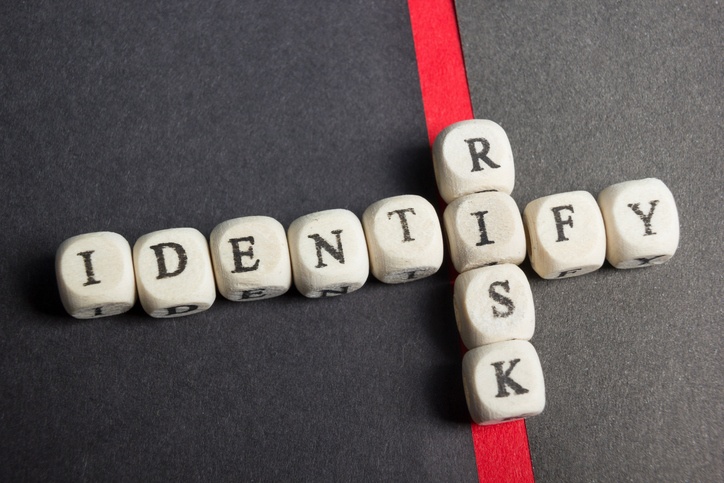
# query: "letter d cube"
{"type": "Point", "coordinates": [173, 272]}
{"type": "Point", "coordinates": [503, 381]}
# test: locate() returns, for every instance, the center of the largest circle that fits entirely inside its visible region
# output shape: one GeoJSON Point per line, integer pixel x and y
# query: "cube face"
{"type": "Point", "coordinates": [484, 229]}
{"type": "Point", "coordinates": [173, 272]}
{"type": "Point", "coordinates": [95, 275]}
{"type": "Point", "coordinates": [503, 381]}
{"type": "Point", "coordinates": [493, 304]}
{"type": "Point", "coordinates": [251, 258]}
{"type": "Point", "coordinates": [566, 235]}
{"type": "Point", "coordinates": [642, 223]}
{"type": "Point", "coordinates": [404, 239]}
{"type": "Point", "coordinates": [473, 156]}
{"type": "Point", "coordinates": [328, 253]}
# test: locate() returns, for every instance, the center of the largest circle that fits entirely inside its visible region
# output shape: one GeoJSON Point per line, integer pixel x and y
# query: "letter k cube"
{"type": "Point", "coordinates": [503, 381]}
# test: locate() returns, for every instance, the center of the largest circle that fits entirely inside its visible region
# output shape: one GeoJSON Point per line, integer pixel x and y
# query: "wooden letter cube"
{"type": "Point", "coordinates": [404, 238]}
{"type": "Point", "coordinates": [251, 258]}
{"type": "Point", "coordinates": [642, 223]}
{"type": "Point", "coordinates": [473, 156]}
{"type": "Point", "coordinates": [329, 253]}
{"type": "Point", "coordinates": [493, 304]}
{"type": "Point", "coordinates": [484, 229]}
{"type": "Point", "coordinates": [173, 272]}
{"type": "Point", "coordinates": [566, 235]}
{"type": "Point", "coordinates": [503, 381]}
{"type": "Point", "coordinates": [95, 275]}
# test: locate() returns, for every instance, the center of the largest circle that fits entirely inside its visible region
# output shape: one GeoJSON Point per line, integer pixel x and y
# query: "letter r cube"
{"type": "Point", "coordinates": [503, 381]}
{"type": "Point", "coordinates": [473, 156]}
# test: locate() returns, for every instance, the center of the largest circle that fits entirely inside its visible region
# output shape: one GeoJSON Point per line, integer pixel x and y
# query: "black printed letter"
{"type": "Point", "coordinates": [238, 267]}
{"type": "Point", "coordinates": [161, 260]}
{"type": "Point", "coordinates": [505, 380]}
{"type": "Point", "coordinates": [175, 310]}
{"type": "Point", "coordinates": [481, 227]}
{"type": "Point", "coordinates": [501, 299]}
{"type": "Point", "coordinates": [88, 268]}
{"type": "Point", "coordinates": [480, 155]}
{"type": "Point", "coordinates": [320, 243]}
{"type": "Point", "coordinates": [559, 223]}
{"type": "Point", "coordinates": [403, 221]}
{"type": "Point", "coordinates": [645, 218]}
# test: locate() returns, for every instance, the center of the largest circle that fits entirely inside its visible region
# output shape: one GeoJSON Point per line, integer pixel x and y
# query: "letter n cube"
{"type": "Point", "coordinates": [329, 254]}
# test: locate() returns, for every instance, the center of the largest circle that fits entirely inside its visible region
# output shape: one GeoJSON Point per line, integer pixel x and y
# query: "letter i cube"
{"type": "Point", "coordinates": [173, 272]}
{"type": "Point", "coordinates": [566, 235]}
{"type": "Point", "coordinates": [642, 223]}
{"type": "Point", "coordinates": [484, 229]}
{"type": "Point", "coordinates": [503, 381]}
{"type": "Point", "coordinates": [95, 275]}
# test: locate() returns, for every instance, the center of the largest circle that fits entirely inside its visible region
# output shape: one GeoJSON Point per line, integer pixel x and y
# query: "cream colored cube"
{"type": "Point", "coordinates": [484, 229]}
{"type": "Point", "coordinates": [95, 275]}
{"type": "Point", "coordinates": [173, 272]}
{"type": "Point", "coordinates": [642, 223]}
{"type": "Point", "coordinates": [503, 381]}
{"type": "Point", "coordinates": [493, 304]}
{"type": "Point", "coordinates": [404, 238]}
{"type": "Point", "coordinates": [328, 253]}
{"type": "Point", "coordinates": [251, 258]}
{"type": "Point", "coordinates": [473, 156]}
{"type": "Point", "coordinates": [566, 235]}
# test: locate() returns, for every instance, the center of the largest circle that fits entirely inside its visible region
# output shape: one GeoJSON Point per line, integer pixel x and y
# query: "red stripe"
{"type": "Point", "coordinates": [501, 451]}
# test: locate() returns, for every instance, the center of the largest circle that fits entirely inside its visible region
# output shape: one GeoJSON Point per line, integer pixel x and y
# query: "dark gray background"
{"type": "Point", "coordinates": [139, 116]}
{"type": "Point", "coordinates": [591, 94]}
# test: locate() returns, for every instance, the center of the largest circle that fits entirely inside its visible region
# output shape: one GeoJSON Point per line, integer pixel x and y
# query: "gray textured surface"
{"type": "Point", "coordinates": [153, 115]}
{"type": "Point", "coordinates": [591, 95]}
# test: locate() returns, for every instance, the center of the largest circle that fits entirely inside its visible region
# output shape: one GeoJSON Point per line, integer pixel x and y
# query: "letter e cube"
{"type": "Point", "coordinates": [251, 258]}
